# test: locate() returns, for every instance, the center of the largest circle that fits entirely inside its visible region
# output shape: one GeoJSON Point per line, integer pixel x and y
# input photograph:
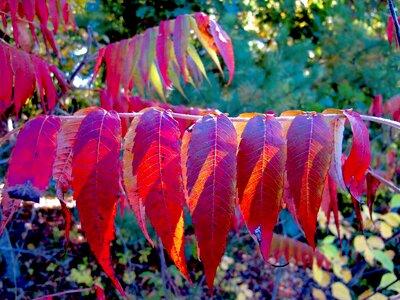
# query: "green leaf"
{"type": "Point", "coordinates": [385, 260]}
{"type": "Point", "coordinates": [387, 279]}
{"type": "Point", "coordinates": [395, 201]}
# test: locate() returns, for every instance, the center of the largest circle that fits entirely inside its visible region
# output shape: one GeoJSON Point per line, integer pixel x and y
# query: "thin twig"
{"type": "Point", "coordinates": [381, 289]}
{"type": "Point", "coordinates": [86, 58]}
{"type": "Point", "coordinates": [163, 266]}
{"type": "Point", "coordinates": [393, 12]}
{"type": "Point", "coordinates": [384, 181]}
{"type": "Point", "coordinates": [384, 121]}
{"type": "Point", "coordinates": [93, 288]}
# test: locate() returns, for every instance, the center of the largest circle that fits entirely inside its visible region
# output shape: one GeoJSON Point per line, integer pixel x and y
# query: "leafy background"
{"type": "Point", "coordinates": [307, 55]}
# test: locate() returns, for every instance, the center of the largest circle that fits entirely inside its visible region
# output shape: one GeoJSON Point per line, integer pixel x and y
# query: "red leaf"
{"type": "Point", "coordinates": [298, 251]}
{"type": "Point", "coordinates": [376, 107]}
{"type": "Point", "coordinates": [62, 82]}
{"type": "Point", "coordinates": [8, 208]}
{"type": "Point", "coordinates": [157, 165]}
{"type": "Point", "coordinates": [225, 48]}
{"type": "Point", "coordinates": [24, 77]}
{"type": "Point", "coordinates": [209, 160]}
{"type": "Point", "coordinates": [260, 177]}
{"type": "Point", "coordinates": [32, 158]}
{"type": "Point", "coordinates": [372, 186]}
{"type": "Point", "coordinates": [96, 182]}
{"type": "Point", "coordinates": [42, 12]}
{"type": "Point", "coordinates": [67, 216]}
{"type": "Point", "coordinates": [126, 79]}
{"type": "Point", "coordinates": [130, 180]}
{"type": "Point", "coordinates": [181, 40]}
{"type": "Point", "coordinates": [358, 161]}
{"type": "Point", "coordinates": [114, 57]}
{"type": "Point", "coordinates": [44, 83]}
{"type": "Point", "coordinates": [62, 169]}
{"type": "Point", "coordinates": [98, 63]}
{"type": "Point", "coordinates": [390, 29]}
{"type": "Point", "coordinates": [163, 49]}
{"type": "Point", "coordinates": [6, 82]}
{"type": "Point", "coordinates": [29, 11]}
{"type": "Point", "coordinates": [330, 202]}
{"type": "Point", "coordinates": [392, 105]}
{"type": "Point", "coordinates": [13, 5]}
{"type": "Point", "coordinates": [310, 145]}
{"type": "Point", "coordinates": [55, 17]}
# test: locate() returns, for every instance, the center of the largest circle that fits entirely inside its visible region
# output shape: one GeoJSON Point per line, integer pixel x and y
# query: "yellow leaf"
{"type": "Point", "coordinates": [392, 219]}
{"type": "Point", "coordinates": [378, 296]}
{"type": "Point", "coordinates": [369, 256]}
{"type": "Point", "coordinates": [375, 242]}
{"type": "Point", "coordinates": [365, 294]}
{"type": "Point", "coordinates": [387, 279]}
{"type": "Point", "coordinates": [341, 273]}
{"type": "Point", "coordinates": [340, 291]}
{"type": "Point", "coordinates": [360, 243]}
{"type": "Point", "coordinates": [318, 294]}
{"type": "Point", "coordinates": [320, 276]}
{"type": "Point", "coordinates": [390, 253]}
{"type": "Point", "coordinates": [386, 230]}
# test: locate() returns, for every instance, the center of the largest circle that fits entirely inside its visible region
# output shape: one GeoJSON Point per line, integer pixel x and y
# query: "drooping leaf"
{"type": "Point", "coordinates": [114, 56]}
{"type": "Point", "coordinates": [181, 40]}
{"type": "Point", "coordinates": [210, 166]}
{"type": "Point", "coordinates": [163, 49]}
{"type": "Point", "coordinates": [372, 186]}
{"type": "Point", "coordinates": [130, 181]}
{"type": "Point", "coordinates": [224, 45]}
{"type": "Point", "coordinates": [260, 177]}
{"type": "Point", "coordinates": [335, 170]}
{"type": "Point", "coordinates": [62, 169]}
{"type": "Point", "coordinates": [95, 174]}
{"type": "Point", "coordinates": [54, 15]}
{"type": "Point", "coordinates": [147, 53]}
{"type": "Point", "coordinates": [310, 145]}
{"type": "Point", "coordinates": [330, 202]}
{"type": "Point", "coordinates": [8, 207]}
{"type": "Point", "coordinates": [239, 126]}
{"type": "Point", "coordinates": [68, 219]}
{"type": "Point", "coordinates": [157, 165]}
{"type": "Point", "coordinates": [24, 77]}
{"type": "Point", "coordinates": [44, 83]}
{"type": "Point", "coordinates": [6, 80]}
{"type": "Point", "coordinates": [298, 251]}
{"type": "Point", "coordinates": [32, 158]}
{"type": "Point", "coordinates": [97, 65]}
{"type": "Point", "coordinates": [376, 107]}
{"type": "Point", "coordinates": [358, 161]}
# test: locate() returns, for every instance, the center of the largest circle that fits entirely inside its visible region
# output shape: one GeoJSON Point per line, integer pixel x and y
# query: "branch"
{"type": "Point", "coordinates": [393, 12]}
{"type": "Point", "coordinates": [86, 58]}
{"type": "Point", "coordinates": [384, 121]}
{"type": "Point", "coordinates": [384, 181]}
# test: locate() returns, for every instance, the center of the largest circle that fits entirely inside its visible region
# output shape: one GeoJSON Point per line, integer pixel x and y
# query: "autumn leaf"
{"type": "Point", "coordinates": [96, 182]}
{"type": "Point", "coordinates": [157, 165]}
{"type": "Point", "coordinates": [358, 161]}
{"type": "Point", "coordinates": [210, 166]}
{"type": "Point", "coordinates": [32, 158]}
{"type": "Point", "coordinates": [260, 177]}
{"type": "Point", "coordinates": [310, 146]}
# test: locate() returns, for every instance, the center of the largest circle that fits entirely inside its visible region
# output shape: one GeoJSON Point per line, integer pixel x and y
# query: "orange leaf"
{"type": "Point", "coordinates": [310, 145]}
{"type": "Point", "coordinates": [260, 176]}
{"type": "Point", "coordinates": [210, 164]}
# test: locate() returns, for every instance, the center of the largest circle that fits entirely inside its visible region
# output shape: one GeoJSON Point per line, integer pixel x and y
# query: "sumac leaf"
{"type": "Point", "coordinates": [298, 251]}
{"type": "Point", "coordinates": [260, 176]}
{"type": "Point", "coordinates": [32, 158]}
{"type": "Point", "coordinates": [8, 207]}
{"type": "Point", "coordinates": [210, 166]}
{"type": "Point", "coordinates": [309, 144]}
{"type": "Point", "coordinates": [358, 161]}
{"type": "Point", "coordinates": [62, 169]}
{"type": "Point", "coordinates": [157, 164]}
{"type": "Point", "coordinates": [6, 79]}
{"type": "Point", "coordinates": [95, 182]}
